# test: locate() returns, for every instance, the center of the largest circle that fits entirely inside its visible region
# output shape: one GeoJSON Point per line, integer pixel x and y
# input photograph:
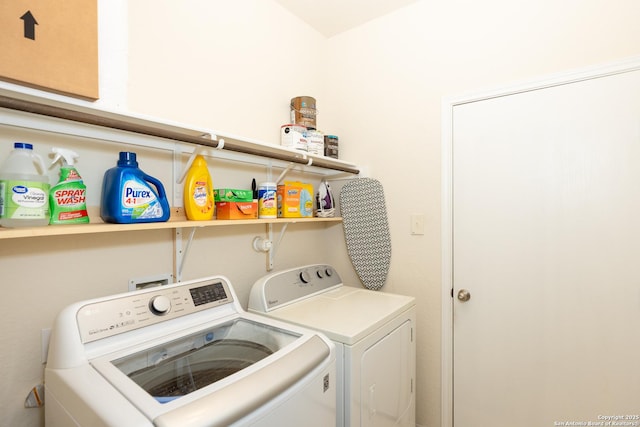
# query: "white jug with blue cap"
{"type": "Point", "coordinates": [24, 188]}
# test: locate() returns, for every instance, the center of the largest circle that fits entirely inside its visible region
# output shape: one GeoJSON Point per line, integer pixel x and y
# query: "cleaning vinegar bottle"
{"type": "Point", "coordinates": [198, 191]}
{"type": "Point", "coordinates": [131, 196]}
{"type": "Point", "coordinates": [24, 189]}
{"type": "Point", "coordinates": [67, 199]}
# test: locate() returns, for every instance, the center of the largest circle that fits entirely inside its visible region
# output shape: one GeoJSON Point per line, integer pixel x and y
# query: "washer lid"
{"type": "Point", "coordinates": [173, 369]}
{"type": "Point", "coordinates": [217, 375]}
{"type": "Point", "coordinates": [345, 314]}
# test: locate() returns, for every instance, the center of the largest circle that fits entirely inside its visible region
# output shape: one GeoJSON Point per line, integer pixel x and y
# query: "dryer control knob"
{"type": "Point", "coordinates": [328, 272]}
{"type": "Point", "coordinates": [304, 276]}
{"type": "Point", "coordinates": [160, 305]}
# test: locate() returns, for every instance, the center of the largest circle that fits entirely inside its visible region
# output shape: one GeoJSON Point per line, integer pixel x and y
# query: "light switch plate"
{"type": "Point", "coordinates": [417, 224]}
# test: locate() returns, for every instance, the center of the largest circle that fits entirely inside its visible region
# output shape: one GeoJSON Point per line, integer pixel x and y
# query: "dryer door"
{"type": "Point", "coordinates": [386, 381]}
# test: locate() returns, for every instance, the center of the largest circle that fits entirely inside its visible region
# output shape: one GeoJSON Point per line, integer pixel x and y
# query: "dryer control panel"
{"type": "Point", "coordinates": [122, 313]}
{"type": "Point", "coordinates": [288, 286]}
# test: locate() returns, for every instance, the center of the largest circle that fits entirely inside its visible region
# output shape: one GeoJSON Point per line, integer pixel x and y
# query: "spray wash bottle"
{"type": "Point", "coordinates": [67, 199]}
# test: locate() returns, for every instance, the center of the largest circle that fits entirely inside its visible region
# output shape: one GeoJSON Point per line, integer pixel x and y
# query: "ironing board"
{"type": "Point", "coordinates": [366, 230]}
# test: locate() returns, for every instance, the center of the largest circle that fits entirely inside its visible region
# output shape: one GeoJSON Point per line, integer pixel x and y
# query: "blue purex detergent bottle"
{"type": "Point", "coordinates": [131, 196]}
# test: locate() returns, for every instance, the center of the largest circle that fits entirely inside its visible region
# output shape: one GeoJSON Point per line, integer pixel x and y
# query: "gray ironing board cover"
{"type": "Point", "coordinates": [366, 230]}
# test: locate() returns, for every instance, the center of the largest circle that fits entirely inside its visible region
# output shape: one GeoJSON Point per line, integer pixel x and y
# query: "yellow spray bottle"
{"type": "Point", "coordinates": [198, 191]}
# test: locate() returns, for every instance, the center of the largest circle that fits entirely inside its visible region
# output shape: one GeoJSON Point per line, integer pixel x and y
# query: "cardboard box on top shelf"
{"type": "Point", "coordinates": [51, 46]}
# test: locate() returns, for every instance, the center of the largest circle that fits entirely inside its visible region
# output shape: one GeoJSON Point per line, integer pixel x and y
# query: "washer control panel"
{"type": "Point", "coordinates": [122, 313]}
{"type": "Point", "coordinates": [287, 286]}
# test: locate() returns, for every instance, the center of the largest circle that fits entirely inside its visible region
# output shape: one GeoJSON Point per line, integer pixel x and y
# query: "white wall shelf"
{"type": "Point", "coordinates": [94, 228]}
{"type": "Point", "coordinates": [23, 110]}
{"type": "Point", "coordinates": [80, 119]}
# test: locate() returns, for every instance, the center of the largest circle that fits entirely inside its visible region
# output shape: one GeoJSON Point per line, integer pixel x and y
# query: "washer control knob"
{"type": "Point", "coordinates": [304, 276]}
{"type": "Point", "coordinates": [328, 272]}
{"type": "Point", "coordinates": [160, 305]}
{"type": "Point", "coordinates": [320, 274]}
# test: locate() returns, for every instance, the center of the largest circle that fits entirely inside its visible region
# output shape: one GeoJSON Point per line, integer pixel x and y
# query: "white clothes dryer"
{"type": "Point", "coordinates": [374, 333]}
{"type": "Point", "coordinates": [185, 355]}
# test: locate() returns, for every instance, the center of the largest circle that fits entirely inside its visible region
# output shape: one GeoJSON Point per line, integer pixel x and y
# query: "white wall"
{"type": "Point", "coordinates": [384, 95]}
{"type": "Point", "coordinates": [234, 66]}
{"type": "Point", "coordinates": [231, 66]}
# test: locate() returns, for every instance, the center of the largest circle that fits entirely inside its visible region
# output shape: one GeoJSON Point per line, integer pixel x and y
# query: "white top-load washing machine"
{"type": "Point", "coordinates": [374, 333]}
{"type": "Point", "coordinates": [185, 355]}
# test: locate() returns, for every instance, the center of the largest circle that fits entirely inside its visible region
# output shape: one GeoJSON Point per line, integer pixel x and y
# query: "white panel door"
{"type": "Point", "coordinates": [546, 240]}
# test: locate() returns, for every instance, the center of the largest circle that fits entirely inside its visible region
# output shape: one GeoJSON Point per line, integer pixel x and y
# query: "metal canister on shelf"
{"type": "Point", "coordinates": [315, 142]}
{"type": "Point", "coordinates": [303, 111]}
{"type": "Point", "coordinates": [293, 136]}
{"type": "Point", "coordinates": [331, 146]}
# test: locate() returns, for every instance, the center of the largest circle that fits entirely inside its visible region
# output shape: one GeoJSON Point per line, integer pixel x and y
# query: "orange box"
{"type": "Point", "coordinates": [237, 210]}
{"type": "Point", "coordinates": [295, 200]}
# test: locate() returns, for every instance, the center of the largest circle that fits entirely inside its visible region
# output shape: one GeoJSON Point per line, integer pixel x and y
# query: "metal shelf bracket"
{"type": "Point", "coordinates": [181, 250]}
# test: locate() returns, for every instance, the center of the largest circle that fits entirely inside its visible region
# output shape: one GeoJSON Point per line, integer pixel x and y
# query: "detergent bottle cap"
{"type": "Point", "coordinates": [127, 159]}
{"type": "Point", "coordinates": [24, 151]}
{"type": "Point", "coordinates": [68, 156]}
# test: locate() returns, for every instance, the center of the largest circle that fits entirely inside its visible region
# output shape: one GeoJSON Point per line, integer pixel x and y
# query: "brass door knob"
{"type": "Point", "coordinates": [464, 295]}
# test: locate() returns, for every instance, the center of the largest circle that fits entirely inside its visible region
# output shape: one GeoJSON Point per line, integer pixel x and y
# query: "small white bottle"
{"type": "Point", "coordinates": [24, 189]}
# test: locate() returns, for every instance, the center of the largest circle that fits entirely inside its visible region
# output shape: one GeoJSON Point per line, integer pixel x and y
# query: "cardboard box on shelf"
{"type": "Point", "coordinates": [51, 46]}
{"type": "Point", "coordinates": [237, 210]}
{"type": "Point", "coordinates": [295, 200]}
{"type": "Point", "coordinates": [232, 195]}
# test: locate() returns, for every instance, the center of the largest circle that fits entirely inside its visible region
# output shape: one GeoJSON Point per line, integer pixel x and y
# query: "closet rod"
{"type": "Point", "coordinates": [230, 144]}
